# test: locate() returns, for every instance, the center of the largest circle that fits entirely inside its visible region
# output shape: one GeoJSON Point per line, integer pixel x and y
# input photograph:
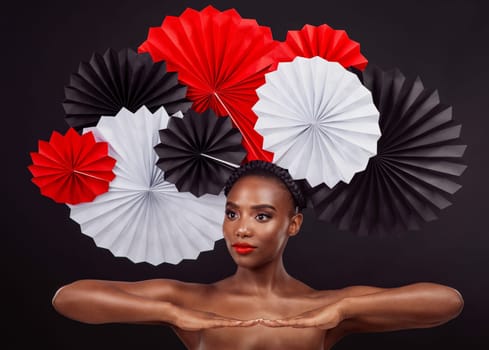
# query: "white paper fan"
{"type": "Point", "coordinates": [318, 119]}
{"type": "Point", "coordinates": [142, 216]}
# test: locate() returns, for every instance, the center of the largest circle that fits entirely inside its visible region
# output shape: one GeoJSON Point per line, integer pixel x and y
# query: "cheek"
{"type": "Point", "coordinates": [226, 228]}
{"type": "Point", "coordinates": [229, 228]}
{"type": "Point", "coordinates": [276, 235]}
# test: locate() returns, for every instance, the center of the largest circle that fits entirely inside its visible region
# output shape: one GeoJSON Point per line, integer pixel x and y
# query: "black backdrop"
{"type": "Point", "coordinates": [444, 42]}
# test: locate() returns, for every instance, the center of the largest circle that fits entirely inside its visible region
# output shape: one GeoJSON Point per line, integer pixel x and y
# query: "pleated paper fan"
{"type": "Point", "coordinates": [119, 79]}
{"type": "Point", "coordinates": [199, 152]}
{"type": "Point", "coordinates": [222, 58]}
{"type": "Point", "coordinates": [323, 41]}
{"type": "Point", "coordinates": [71, 168]}
{"type": "Point", "coordinates": [142, 216]}
{"type": "Point", "coordinates": [416, 170]}
{"type": "Point", "coordinates": [318, 120]}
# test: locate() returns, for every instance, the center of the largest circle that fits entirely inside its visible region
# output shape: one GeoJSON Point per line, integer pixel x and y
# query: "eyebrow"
{"type": "Point", "coordinates": [259, 206]}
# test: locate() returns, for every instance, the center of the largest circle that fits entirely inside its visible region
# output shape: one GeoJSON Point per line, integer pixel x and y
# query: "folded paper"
{"type": "Point", "coordinates": [199, 151]}
{"type": "Point", "coordinates": [416, 170]}
{"type": "Point", "coordinates": [318, 120]}
{"type": "Point", "coordinates": [142, 216]}
{"type": "Point", "coordinates": [331, 44]}
{"type": "Point", "coordinates": [71, 168]}
{"type": "Point", "coordinates": [222, 58]}
{"type": "Point", "coordinates": [116, 79]}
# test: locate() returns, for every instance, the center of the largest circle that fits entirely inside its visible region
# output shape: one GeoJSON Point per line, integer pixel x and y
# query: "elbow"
{"type": "Point", "coordinates": [69, 300]}
{"type": "Point", "coordinates": [455, 303]}
{"type": "Point", "coordinates": [64, 297]}
{"type": "Point", "coordinates": [451, 304]}
{"type": "Point", "coordinates": [55, 301]}
{"type": "Point", "coordinates": [441, 304]}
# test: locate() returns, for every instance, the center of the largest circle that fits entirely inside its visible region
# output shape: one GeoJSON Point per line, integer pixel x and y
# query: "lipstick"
{"type": "Point", "coordinates": [243, 248]}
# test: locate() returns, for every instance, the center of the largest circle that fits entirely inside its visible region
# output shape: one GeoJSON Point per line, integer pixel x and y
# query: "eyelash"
{"type": "Point", "coordinates": [229, 212]}
{"type": "Point", "coordinates": [267, 216]}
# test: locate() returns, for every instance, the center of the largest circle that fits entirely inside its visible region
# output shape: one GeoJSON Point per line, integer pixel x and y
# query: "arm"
{"type": "Point", "coordinates": [372, 309]}
{"type": "Point", "coordinates": [98, 301]}
{"type": "Point", "coordinates": [150, 301]}
{"type": "Point", "coordinates": [418, 305]}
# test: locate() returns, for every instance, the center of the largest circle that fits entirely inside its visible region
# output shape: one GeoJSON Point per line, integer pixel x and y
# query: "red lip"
{"type": "Point", "coordinates": [243, 248]}
{"type": "Point", "coordinates": [243, 245]}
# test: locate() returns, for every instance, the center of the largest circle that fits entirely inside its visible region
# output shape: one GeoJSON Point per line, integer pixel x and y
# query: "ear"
{"type": "Point", "coordinates": [295, 224]}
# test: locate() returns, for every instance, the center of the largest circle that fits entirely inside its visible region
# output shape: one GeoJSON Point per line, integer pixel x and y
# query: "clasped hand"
{"type": "Point", "coordinates": [325, 317]}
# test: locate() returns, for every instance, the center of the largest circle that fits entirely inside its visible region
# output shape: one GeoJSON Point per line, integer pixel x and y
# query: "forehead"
{"type": "Point", "coordinates": [255, 189]}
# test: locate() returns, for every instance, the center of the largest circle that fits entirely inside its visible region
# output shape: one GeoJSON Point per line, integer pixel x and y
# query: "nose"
{"type": "Point", "coordinates": [243, 229]}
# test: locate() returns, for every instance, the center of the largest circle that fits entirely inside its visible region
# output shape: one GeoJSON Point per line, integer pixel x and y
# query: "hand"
{"type": "Point", "coordinates": [195, 320]}
{"type": "Point", "coordinates": [325, 317]}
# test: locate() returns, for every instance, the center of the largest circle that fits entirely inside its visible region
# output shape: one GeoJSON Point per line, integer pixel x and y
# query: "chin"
{"type": "Point", "coordinates": [249, 261]}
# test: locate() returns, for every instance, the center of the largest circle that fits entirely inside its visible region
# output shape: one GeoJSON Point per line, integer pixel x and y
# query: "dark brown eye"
{"type": "Point", "coordinates": [230, 214]}
{"type": "Point", "coordinates": [263, 217]}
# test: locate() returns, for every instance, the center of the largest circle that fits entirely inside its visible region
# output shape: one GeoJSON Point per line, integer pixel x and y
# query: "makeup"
{"type": "Point", "coordinates": [243, 248]}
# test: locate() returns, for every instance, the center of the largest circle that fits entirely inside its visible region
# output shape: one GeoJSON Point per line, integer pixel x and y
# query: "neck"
{"type": "Point", "coordinates": [264, 280]}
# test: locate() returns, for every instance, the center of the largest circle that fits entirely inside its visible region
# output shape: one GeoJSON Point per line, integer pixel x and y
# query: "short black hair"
{"type": "Point", "coordinates": [271, 170]}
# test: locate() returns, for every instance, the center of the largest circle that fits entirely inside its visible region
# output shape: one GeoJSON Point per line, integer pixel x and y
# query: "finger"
{"type": "Point", "coordinates": [273, 323]}
{"type": "Point", "coordinates": [303, 322]}
{"type": "Point", "coordinates": [219, 323]}
{"type": "Point", "coordinates": [286, 322]}
{"type": "Point", "coordinates": [249, 323]}
{"type": "Point", "coordinates": [216, 323]}
{"type": "Point", "coordinates": [298, 322]}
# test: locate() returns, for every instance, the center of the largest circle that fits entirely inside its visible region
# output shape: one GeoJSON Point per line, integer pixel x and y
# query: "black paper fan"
{"type": "Point", "coordinates": [199, 151]}
{"type": "Point", "coordinates": [417, 167]}
{"type": "Point", "coordinates": [108, 82]}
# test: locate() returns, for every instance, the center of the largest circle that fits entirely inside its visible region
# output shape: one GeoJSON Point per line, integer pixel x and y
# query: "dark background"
{"type": "Point", "coordinates": [444, 42]}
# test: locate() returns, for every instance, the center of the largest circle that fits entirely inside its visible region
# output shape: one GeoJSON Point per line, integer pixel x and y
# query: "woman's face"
{"type": "Point", "coordinates": [258, 221]}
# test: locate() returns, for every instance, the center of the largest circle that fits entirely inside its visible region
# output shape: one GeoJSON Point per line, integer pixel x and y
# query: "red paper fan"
{"type": "Point", "coordinates": [222, 59]}
{"type": "Point", "coordinates": [72, 168]}
{"type": "Point", "coordinates": [323, 41]}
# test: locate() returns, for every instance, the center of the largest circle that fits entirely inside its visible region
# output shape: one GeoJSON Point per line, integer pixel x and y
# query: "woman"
{"type": "Point", "coordinates": [260, 306]}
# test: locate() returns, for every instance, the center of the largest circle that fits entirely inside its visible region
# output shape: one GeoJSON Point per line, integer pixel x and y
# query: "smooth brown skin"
{"type": "Point", "coordinates": [260, 306]}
